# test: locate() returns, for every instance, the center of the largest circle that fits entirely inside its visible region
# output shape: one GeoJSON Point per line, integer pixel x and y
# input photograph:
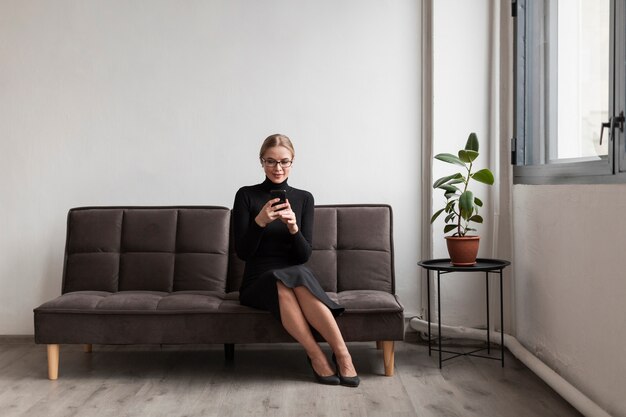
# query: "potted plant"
{"type": "Point", "coordinates": [461, 207]}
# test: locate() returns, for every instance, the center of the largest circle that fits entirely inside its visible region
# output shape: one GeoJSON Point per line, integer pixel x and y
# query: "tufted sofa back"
{"type": "Point", "coordinates": [146, 248]}
{"type": "Point", "coordinates": [352, 249]}
{"type": "Point", "coordinates": [190, 248]}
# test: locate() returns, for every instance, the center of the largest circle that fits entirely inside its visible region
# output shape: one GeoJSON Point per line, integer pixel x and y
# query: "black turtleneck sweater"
{"type": "Point", "coordinates": [271, 247]}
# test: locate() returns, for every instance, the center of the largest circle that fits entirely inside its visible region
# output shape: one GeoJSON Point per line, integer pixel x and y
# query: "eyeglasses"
{"type": "Point", "coordinates": [271, 163]}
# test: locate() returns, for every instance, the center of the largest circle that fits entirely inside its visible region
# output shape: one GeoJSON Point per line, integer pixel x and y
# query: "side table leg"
{"type": "Point", "coordinates": [439, 314]}
{"type": "Point", "coordinates": [488, 327]}
{"type": "Point", "coordinates": [501, 322]}
{"type": "Point", "coordinates": [428, 295]}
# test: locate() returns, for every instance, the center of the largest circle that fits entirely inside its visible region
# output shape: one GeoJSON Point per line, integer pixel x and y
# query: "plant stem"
{"type": "Point", "coordinates": [466, 182]}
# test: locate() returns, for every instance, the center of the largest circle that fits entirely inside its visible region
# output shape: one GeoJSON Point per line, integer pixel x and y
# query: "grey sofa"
{"type": "Point", "coordinates": [169, 275]}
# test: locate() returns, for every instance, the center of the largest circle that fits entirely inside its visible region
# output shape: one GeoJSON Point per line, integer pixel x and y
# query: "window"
{"type": "Point", "coordinates": [569, 91]}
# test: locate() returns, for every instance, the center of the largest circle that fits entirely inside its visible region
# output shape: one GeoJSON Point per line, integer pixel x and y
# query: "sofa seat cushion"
{"type": "Point", "coordinates": [180, 317]}
{"type": "Point", "coordinates": [73, 301]}
{"type": "Point", "coordinates": [368, 301]}
{"type": "Point", "coordinates": [136, 302]}
{"type": "Point", "coordinates": [142, 302]}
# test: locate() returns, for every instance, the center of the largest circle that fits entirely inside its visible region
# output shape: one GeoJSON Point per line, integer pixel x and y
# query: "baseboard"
{"type": "Point", "coordinates": [8, 339]}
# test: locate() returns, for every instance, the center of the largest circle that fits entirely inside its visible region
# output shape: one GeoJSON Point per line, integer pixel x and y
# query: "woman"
{"type": "Point", "coordinates": [274, 239]}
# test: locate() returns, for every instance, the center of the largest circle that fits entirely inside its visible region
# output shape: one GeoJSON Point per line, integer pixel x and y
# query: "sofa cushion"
{"type": "Point", "coordinates": [92, 250]}
{"type": "Point", "coordinates": [198, 317]}
{"type": "Point", "coordinates": [364, 259]}
{"type": "Point", "coordinates": [149, 230]}
{"type": "Point", "coordinates": [202, 231]}
{"type": "Point", "coordinates": [146, 302]}
{"type": "Point", "coordinates": [94, 230]}
{"type": "Point", "coordinates": [364, 269]}
{"type": "Point", "coordinates": [74, 302]}
{"type": "Point", "coordinates": [192, 301]}
{"type": "Point", "coordinates": [323, 260]}
{"type": "Point", "coordinates": [369, 301]}
{"type": "Point", "coordinates": [200, 271]}
{"type": "Point", "coordinates": [97, 271]}
{"type": "Point", "coordinates": [147, 248]}
{"type": "Point", "coordinates": [202, 246]}
{"type": "Point", "coordinates": [146, 271]}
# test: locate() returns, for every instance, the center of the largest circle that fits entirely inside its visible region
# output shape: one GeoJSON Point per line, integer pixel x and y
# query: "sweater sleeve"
{"type": "Point", "coordinates": [247, 232]}
{"type": "Point", "coordinates": [302, 246]}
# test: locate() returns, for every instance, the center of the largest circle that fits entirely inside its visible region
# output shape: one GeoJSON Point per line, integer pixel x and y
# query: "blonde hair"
{"type": "Point", "coordinates": [277, 140]}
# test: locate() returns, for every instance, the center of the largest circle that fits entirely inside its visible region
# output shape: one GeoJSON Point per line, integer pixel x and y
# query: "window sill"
{"type": "Point", "coordinates": [596, 172]}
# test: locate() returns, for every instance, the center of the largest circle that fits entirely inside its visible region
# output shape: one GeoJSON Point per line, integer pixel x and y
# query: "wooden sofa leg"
{"type": "Point", "coordinates": [53, 362]}
{"type": "Point", "coordinates": [388, 356]}
{"type": "Point", "coordinates": [379, 345]}
{"type": "Point", "coordinates": [88, 348]}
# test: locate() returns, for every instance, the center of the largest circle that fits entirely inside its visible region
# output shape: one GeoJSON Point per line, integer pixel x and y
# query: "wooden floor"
{"type": "Point", "coordinates": [264, 380]}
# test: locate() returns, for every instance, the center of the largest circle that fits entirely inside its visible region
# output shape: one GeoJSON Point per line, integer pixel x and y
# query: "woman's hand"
{"type": "Point", "coordinates": [283, 212]}
{"type": "Point", "coordinates": [288, 217]}
{"type": "Point", "coordinates": [268, 213]}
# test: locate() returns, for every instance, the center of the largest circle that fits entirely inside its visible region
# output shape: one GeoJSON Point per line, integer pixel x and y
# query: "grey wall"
{"type": "Point", "coordinates": [166, 102]}
{"type": "Point", "coordinates": [570, 284]}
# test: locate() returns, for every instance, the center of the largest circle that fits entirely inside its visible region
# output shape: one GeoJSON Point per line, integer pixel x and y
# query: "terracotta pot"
{"type": "Point", "coordinates": [462, 249]}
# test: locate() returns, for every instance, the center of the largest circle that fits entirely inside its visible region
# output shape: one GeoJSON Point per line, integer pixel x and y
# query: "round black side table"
{"type": "Point", "coordinates": [443, 266]}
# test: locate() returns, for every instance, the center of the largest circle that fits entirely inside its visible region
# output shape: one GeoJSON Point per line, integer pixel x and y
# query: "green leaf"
{"type": "Point", "coordinates": [449, 158]}
{"type": "Point", "coordinates": [449, 227]}
{"type": "Point", "coordinates": [484, 175]}
{"type": "Point", "coordinates": [478, 202]}
{"type": "Point", "coordinates": [457, 181]}
{"type": "Point", "coordinates": [476, 218]}
{"type": "Point", "coordinates": [467, 156]}
{"type": "Point", "coordinates": [450, 217]}
{"type": "Point", "coordinates": [466, 203]}
{"type": "Point", "coordinates": [472, 142]}
{"type": "Point", "coordinates": [466, 214]}
{"type": "Point", "coordinates": [432, 219]}
{"type": "Point", "coordinates": [449, 188]}
{"type": "Point", "coordinates": [444, 180]}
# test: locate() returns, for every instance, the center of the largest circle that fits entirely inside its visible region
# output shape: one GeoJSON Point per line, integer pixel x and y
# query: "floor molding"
{"type": "Point", "coordinates": [7, 339]}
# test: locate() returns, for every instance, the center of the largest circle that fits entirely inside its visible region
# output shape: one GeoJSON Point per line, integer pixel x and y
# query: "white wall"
{"type": "Point", "coordinates": [569, 287]}
{"type": "Point", "coordinates": [570, 284]}
{"type": "Point", "coordinates": [166, 102]}
{"type": "Point", "coordinates": [460, 106]}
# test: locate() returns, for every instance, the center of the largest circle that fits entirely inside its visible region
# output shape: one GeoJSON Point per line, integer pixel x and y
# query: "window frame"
{"type": "Point", "coordinates": [607, 170]}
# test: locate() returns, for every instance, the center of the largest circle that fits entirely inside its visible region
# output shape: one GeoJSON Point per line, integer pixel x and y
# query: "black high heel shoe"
{"type": "Point", "coordinates": [346, 381]}
{"type": "Point", "coordinates": [326, 380]}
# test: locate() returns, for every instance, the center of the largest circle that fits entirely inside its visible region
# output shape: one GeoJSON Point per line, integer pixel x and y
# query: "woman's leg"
{"type": "Point", "coordinates": [297, 326]}
{"type": "Point", "coordinates": [321, 318]}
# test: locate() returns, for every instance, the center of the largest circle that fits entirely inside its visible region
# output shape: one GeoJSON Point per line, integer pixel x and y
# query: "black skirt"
{"type": "Point", "coordinates": [261, 292]}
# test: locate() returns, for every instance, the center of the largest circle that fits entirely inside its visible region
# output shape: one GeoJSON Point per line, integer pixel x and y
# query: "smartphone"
{"type": "Point", "coordinates": [282, 194]}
